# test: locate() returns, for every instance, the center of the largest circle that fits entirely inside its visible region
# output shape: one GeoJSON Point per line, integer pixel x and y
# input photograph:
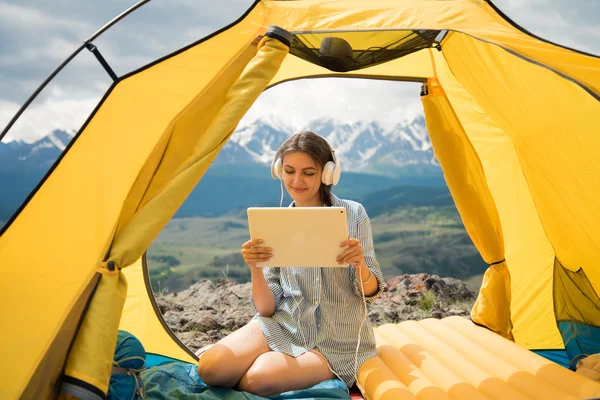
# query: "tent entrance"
{"type": "Point", "coordinates": [350, 51]}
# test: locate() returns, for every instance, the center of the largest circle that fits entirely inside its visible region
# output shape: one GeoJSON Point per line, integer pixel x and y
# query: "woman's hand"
{"type": "Point", "coordinates": [262, 295]}
{"type": "Point", "coordinates": [253, 254]}
{"type": "Point", "coordinates": [353, 255]}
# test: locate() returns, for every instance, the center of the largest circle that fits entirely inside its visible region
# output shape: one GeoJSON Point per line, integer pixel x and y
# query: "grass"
{"type": "Point", "coordinates": [422, 314]}
{"type": "Point", "coordinates": [427, 301]}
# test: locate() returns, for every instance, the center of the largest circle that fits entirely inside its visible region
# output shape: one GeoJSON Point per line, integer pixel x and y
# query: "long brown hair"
{"type": "Point", "coordinates": [317, 148]}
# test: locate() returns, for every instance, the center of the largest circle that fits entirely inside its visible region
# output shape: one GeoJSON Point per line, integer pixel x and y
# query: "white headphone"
{"type": "Point", "coordinates": [331, 170]}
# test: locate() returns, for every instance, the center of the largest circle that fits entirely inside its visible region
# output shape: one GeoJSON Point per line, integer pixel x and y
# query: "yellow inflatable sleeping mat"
{"type": "Point", "coordinates": [453, 358]}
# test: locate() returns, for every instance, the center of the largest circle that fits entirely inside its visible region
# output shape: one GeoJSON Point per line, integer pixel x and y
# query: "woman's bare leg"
{"type": "Point", "coordinates": [227, 361]}
{"type": "Point", "coordinates": [275, 372]}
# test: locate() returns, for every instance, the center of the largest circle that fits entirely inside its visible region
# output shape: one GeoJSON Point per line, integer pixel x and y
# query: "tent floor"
{"type": "Point", "coordinates": [453, 358]}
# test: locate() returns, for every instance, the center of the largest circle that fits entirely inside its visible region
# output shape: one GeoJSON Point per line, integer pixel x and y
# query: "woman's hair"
{"type": "Point", "coordinates": [317, 148]}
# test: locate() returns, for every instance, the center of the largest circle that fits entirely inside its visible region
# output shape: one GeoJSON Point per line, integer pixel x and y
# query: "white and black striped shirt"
{"type": "Point", "coordinates": [322, 308]}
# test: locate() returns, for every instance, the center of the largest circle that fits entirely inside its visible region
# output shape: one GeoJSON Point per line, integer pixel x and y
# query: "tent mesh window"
{"type": "Point", "coordinates": [349, 51]}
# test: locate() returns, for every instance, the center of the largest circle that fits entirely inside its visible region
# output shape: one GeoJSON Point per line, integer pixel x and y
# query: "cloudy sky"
{"type": "Point", "coordinates": [37, 35]}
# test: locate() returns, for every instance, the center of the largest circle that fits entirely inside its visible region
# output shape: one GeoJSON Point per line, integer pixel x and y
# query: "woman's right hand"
{"type": "Point", "coordinates": [253, 253]}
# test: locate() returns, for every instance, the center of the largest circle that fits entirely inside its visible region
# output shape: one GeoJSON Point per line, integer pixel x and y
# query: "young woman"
{"type": "Point", "coordinates": [311, 323]}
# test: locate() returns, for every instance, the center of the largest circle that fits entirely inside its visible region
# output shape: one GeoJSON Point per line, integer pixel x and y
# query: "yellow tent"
{"type": "Point", "coordinates": [513, 120]}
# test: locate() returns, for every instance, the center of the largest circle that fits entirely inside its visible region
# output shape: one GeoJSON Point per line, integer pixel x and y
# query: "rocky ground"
{"type": "Point", "coordinates": [208, 311]}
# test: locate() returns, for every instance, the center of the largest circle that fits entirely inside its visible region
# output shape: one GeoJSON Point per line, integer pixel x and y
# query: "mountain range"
{"type": "Point", "coordinates": [372, 157]}
{"type": "Point", "coordinates": [360, 146]}
{"type": "Point", "coordinates": [39, 155]}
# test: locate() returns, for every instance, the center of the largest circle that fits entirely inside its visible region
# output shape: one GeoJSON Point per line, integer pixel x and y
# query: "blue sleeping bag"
{"type": "Point", "coordinates": [180, 380]}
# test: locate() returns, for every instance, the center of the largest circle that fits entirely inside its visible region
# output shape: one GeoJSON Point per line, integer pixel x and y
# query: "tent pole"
{"type": "Point", "coordinates": [117, 19]}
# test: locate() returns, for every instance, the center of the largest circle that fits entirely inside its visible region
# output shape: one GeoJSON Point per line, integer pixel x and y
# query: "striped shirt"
{"type": "Point", "coordinates": [322, 308]}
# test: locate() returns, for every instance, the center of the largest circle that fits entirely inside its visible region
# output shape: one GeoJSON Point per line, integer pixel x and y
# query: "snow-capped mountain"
{"type": "Point", "coordinates": [40, 154]}
{"type": "Point", "coordinates": [360, 146]}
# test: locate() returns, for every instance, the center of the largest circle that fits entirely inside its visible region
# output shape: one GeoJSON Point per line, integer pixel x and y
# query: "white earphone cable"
{"type": "Point", "coordinates": [362, 286]}
{"type": "Point", "coordinates": [281, 200]}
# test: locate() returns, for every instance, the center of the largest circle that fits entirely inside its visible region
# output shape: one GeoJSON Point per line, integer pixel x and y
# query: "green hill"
{"type": "Point", "coordinates": [253, 186]}
{"type": "Point", "coordinates": [388, 200]}
{"type": "Point", "coordinates": [415, 229]}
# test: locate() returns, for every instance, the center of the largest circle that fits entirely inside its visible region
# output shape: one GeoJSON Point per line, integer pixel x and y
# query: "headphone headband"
{"type": "Point", "coordinates": [331, 150]}
{"type": "Point", "coordinates": [331, 170]}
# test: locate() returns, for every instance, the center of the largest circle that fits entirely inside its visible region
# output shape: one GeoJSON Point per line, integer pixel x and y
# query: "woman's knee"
{"type": "Point", "coordinates": [212, 367]}
{"type": "Point", "coordinates": [261, 379]}
{"type": "Point", "coordinates": [225, 362]}
{"type": "Point", "coordinates": [273, 373]}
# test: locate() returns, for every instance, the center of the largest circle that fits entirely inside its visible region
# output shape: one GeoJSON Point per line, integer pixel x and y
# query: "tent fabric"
{"type": "Point", "coordinates": [577, 309]}
{"type": "Point", "coordinates": [575, 299]}
{"type": "Point", "coordinates": [45, 381]}
{"type": "Point", "coordinates": [140, 316]}
{"type": "Point", "coordinates": [467, 184]}
{"type": "Point", "coordinates": [528, 107]}
{"type": "Point", "coordinates": [560, 357]}
{"type": "Point", "coordinates": [556, 154]}
{"type": "Point", "coordinates": [104, 159]}
{"type": "Point", "coordinates": [159, 191]}
{"type": "Point", "coordinates": [528, 253]}
{"type": "Point", "coordinates": [90, 358]}
{"type": "Point", "coordinates": [473, 18]}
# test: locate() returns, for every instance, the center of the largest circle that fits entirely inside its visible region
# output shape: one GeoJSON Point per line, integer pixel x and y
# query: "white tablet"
{"type": "Point", "coordinates": [300, 236]}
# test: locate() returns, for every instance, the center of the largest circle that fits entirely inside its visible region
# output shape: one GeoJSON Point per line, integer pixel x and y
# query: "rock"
{"type": "Point", "coordinates": [394, 283]}
{"type": "Point", "coordinates": [165, 306]}
{"type": "Point", "coordinates": [208, 311]}
{"type": "Point", "coordinates": [449, 288]}
{"type": "Point", "coordinates": [390, 314]}
{"type": "Point", "coordinates": [199, 321]}
{"type": "Point", "coordinates": [397, 299]}
{"type": "Point", "coordinates": [194, 340]}
{"type": "Point", "coordinates": [172, 319]}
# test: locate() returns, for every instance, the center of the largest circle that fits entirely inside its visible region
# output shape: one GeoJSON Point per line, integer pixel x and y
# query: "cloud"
{"type": "Point", "coordinates": [571, 24]}
{"type": "Point", "coordinates": [64, 104]}
{"type": "Point", "coordinates": [39, 120]}
{"type": "Point", "coordinates": [18, 17]}
{"type": "Point", "coordinates": [56, 49]}
{"type": "Point", "coordinates": [38, 35]}
{"type": "Point", "coordinates": [343, 99]}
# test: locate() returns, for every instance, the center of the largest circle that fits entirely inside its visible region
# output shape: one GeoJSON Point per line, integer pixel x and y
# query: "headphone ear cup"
{"type": "Point", "coordinates": [337, 172]}
{"type": "Point", "coordinates": [276, 169]}
{"type": "Point", "coordinates": [328, 173]}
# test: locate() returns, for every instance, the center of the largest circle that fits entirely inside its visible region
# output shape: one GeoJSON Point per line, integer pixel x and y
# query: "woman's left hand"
{"type": "Point", "coordinates": [353, 254]}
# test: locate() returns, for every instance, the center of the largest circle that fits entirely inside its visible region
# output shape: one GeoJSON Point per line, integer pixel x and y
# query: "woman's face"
{"type": "Point", "coordinates": [302, 179]}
